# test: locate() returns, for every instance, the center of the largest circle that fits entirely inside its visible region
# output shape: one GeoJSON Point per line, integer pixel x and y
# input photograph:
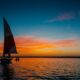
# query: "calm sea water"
{"type": "Point", "coordinates": [42, 69]}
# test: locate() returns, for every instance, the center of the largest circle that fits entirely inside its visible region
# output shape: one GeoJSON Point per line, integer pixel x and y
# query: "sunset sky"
{"type": "Point", "coordinates": [43, 27]}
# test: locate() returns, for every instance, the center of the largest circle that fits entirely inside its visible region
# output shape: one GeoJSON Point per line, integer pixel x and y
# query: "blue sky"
{"type": "Point", "coordinates": [47, 19]}
{"type": "Point", "coordinates": [41, 17]}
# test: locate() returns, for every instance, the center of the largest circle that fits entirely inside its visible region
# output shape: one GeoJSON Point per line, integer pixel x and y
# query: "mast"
{"type": "Point", "coordinates": [9, 44]}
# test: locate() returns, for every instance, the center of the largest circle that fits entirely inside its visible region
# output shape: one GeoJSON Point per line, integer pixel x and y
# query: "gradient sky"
{"type": "Point", "coordinates": [43, 27]}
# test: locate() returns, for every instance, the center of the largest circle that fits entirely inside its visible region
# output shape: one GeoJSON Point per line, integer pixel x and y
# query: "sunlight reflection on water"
{"type": "Point", "coordinates": [43, 69]}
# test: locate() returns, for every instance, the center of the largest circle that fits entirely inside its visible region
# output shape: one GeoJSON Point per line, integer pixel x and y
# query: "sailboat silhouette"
{"type": "Point", "coordinates": [9, 44]}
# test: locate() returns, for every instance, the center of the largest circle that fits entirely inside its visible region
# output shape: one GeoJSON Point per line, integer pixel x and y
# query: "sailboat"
{"type": "Point", "coordinates": [9, 44]}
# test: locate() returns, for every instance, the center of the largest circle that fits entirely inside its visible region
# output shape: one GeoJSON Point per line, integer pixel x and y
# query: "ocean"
{"type": "Point", "coordinates": [41, 69]}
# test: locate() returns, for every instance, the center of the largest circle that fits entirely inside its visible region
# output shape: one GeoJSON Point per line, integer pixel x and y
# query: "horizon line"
{"type": "Point", "coordinates": [44, 56]}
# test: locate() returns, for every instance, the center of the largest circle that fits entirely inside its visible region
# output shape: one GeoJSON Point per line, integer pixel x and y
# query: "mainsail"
{"type": "Point", "coordinates": [9, 44]}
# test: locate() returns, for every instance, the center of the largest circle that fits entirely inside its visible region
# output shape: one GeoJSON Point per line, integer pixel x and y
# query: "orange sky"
{"type": "Point", "coordinates": [28, 45]}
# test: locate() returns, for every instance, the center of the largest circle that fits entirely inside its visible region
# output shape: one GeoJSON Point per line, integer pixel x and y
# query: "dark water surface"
{"type": "Point", "coordinates": [42, 69]}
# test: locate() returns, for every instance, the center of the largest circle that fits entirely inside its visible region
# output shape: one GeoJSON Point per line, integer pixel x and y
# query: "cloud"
{"type": "Point", "coordinates": [66, 43]}
{"type": "Point", "coordinates": [38, 43]}
{"type": "Point", "coordinates": [33, 45]}
{"type": "Point", "coordinates": [63, 16]}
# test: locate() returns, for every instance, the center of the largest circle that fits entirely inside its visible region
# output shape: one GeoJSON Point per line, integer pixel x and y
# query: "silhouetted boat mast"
{"type": "Point", "coordinates": [9, 44]}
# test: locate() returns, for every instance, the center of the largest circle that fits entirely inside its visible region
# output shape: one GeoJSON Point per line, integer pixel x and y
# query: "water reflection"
{"type": "Point", "coordinates": [7, 72]}
{"type": "Point", "coordinates": [47, 68]}
{"type": "Point", "coordinates": [41, 69]}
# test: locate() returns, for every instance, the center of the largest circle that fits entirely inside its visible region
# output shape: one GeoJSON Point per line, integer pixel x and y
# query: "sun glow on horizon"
{"type": "Point", "coordinates": [33, 46]}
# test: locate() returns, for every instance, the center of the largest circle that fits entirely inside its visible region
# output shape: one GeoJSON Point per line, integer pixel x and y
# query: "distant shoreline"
{"type": "Point", "coordinates": [44, 56]}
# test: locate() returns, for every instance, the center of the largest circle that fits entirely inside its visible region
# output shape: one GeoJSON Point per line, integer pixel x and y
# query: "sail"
{"type": "Point", "coordinates": [9, 44]}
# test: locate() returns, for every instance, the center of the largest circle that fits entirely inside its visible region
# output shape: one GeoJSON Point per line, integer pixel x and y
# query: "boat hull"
{"type": "Point", "coordinates": [6, 60]}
